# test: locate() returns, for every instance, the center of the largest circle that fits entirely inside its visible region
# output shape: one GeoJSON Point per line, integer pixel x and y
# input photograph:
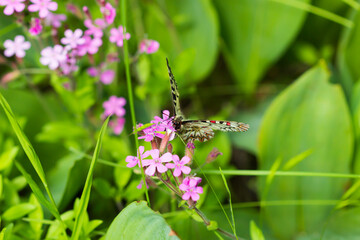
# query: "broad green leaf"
{"type": "Point", "coordinates": [343, 224]}
{"type": "Point", "coordinates": [349, 60]}
{"type": "Point", "coordinates": [138, 221]}
{"type": "Point", "coordinates": [255, 34]}
{"type": "Point", "coordinates": [192, 25]}
{"type": "Point", "coordinates": [18, 211]}
{"type": "Point", "coordinates": [85, 196]}
{"type": "Point", "coordinates": [64, 130]}
{"type": "Point", "coordinates": [310, 114]}
{"type": "Point", "coordinates": [255, 232]}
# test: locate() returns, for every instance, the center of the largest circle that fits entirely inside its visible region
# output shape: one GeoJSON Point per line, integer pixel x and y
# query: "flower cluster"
{"type": "Point", "coordinates": [162, 163]}
{"type": "Point", "coordinates": [115, 106]}
{"type": "Point", "coordinates": [71, 44]}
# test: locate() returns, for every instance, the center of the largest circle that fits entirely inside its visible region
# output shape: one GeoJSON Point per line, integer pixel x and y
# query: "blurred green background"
{"type": "Point", "coordinates": [288, 68]}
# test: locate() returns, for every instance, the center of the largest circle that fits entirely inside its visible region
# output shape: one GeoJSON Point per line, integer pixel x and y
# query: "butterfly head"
{"type": "Point", "coordinates": [177, 121]}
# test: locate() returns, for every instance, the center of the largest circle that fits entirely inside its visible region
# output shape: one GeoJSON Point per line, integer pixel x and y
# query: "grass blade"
{"type": "Point", "coordinates": [26, 145]}
{"type": "Point", "coordinates": [231, 208]}
{"type": "Point", "coordinates": [85, 196]}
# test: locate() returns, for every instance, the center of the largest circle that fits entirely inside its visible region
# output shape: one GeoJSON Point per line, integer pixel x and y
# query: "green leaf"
{"type": "Point", "coordinates": [255, 232]}
{"type": "Point", "coordinates": [85, 196]}
{"type": "Point", "coordinates": [37, 191]}
{"type": "Point", "coordinates": [37, 214]}
{"type": "Point", "coordinates": [255, 35]}
{"type": "Point", "coordinates": [18, 211]}
{"type": "Point", "coordinates": [343, 225]}
{"type": "Point", "coordinates": [6, 233]}
{"type": "Point", "coordinates": [310, 114]}
{"type": "Point", "coordinates": [193, 25]}
{"type": "Point", "coordinates": [138, 221]}
{"type": "Point", "coordinates": [28, 148]}
{"type": "Point", "coordinates": [349, 60]}
{"type": "Point", "coordinates": [7, 157]}
{"type": "Point", "coordinates": [57, 131]}
{"type": "Point", "coordinates": [212, 226]}
{"type": "Point", "coordinates": [1, 186]}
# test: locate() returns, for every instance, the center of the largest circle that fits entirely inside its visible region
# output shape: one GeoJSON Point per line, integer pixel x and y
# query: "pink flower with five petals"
{"type": "Point", "coordinates": [115, 106]}
{"type": "Point", "coordinates": [179, 165]}
{"type": "Point", "coordinates": [156, 164]}
{"type": "Point", "coordinates": [141, 155]}
{"type": "Point", "coordinates": [109, 13]}
{"type": "Point", "coordinates": [43, 7]}
{"type": "Point", "coordinates": [117, 35]}
{"type": "Point", "coordinates": [12, 6]}
{"type": "Point", "coordinates": [16, 47]}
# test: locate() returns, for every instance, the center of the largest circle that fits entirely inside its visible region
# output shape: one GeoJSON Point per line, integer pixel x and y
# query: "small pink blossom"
{"type": "Point", "coordinates": [12, 5]}
{"type": "Point", "coordinates": [93, 71]}
{"type": "Point", "coordinates": [115, 105]}
{"type": "Point", "coordinates": [95, 29]}
{"type": "Point", "coordinates": [179, 166]}
{"type": "Point", "coordinates": [109, 13]}
{"type": "Point", "coordinates": [16, 47]}
{"type": "Point", "coordinates": [69, 65]}
{"type": "Point", "coordinates": [35, 27]}
{"type": "Point", "coordinates": [117, 35]}
{"type": "Point", "coordinates": [54, 20]}
{"type": "Point", "coordinates": [148, 46]}
{"type": "Point", "coordinates": [160, 125]}
{"type": "Point", "coordinates": [156, 164]}
{"type": "Point", "coordinates": [53, 56]}
{"type": "Point", "coordinates": [73, 39]}
{"type": "Point", "coordinates": [190, 145]}
{"type": "Point", "coordinates": [141, 155]}
{"type": "Point", "coordinates": [189, 186]}
{"type": "Point", "coordinates": [107, 76]}
{"type": "Point", "coordinates": [43, 7]}
{"type": "Point", "coordinates": [118, 125]}
{"type": "Point", "coordinates": [90, 46]}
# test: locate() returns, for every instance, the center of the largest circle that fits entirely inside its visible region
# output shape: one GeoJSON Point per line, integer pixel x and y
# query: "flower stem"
{"type": "Point", "coordinates": [207, 223]}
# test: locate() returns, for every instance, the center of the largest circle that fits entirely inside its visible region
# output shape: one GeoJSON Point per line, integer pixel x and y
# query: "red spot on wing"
{"type": "Point", "coordinates": [228, 123]}
{"type": "Point", "coordinates": [213, 121]}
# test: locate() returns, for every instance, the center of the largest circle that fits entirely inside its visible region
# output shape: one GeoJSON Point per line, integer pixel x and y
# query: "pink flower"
{"type": "Point", "coordinates": [95, 30]}
{"type": "Point", "coordinates": [117, 35]}
{"type": "Point", "coordinates": [54, 20]}
{"type": "Point", "coordinates": [73, 39]}
{"type": "Point", "coordinates": [69, 65]}
{"type": "Point", "coordinates": [53, 56]}
{"type": "Point", "coordinates": [189, 186]}
{"type": "Point", "coordinates": [43, 7]}
{"type": "Point", "coordinates": [93, 71]}
{"type": "Point", "coordinates": [12, 5]}
{"type": "Point", "coordinates": [114, 106]}
{"type": "Point", "coordinates": [107, 76]}
{"type": "Point", "coordinates": [156, 164]}
{"type": "Point", "coordinates": [160, 125]}
{"type": "Point", "coordinates": [16, 47]}
{"type": "Point", "coordinates": [148, 46]}
{"type": "Point", "coordinates": [90, 46]}
{"type": "Point", "coordinates": [109, 13]}
{"type": "Point", "coordinates": [179, 165]}
{"type": "Point", "coordinates": [118, 125]}
{"type": "Point", "coordinates": [133, 161]}
{"type": "Point", "coordinates": [35, 26]}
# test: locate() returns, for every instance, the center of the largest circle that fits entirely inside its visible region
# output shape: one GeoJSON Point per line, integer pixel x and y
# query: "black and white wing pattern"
{"type": "Point", "coordinates": [175, 94]}
{"type": "Point", "coordinates": [201, 130]}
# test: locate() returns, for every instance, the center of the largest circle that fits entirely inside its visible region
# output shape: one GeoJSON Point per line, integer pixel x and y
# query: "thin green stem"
{"type": "Point", "coordinates": [130, 94]}
{"type": "Point", "coordinates": [317, 11]}
{"type": "Point", "coordinates": [280, 173]}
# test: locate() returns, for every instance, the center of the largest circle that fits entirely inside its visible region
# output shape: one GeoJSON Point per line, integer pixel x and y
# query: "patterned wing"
{"type": "Point", "coordinates": [174, 94]}
{"type": "Point", "coordinates": [202, 130]}
{"type": "Point", "coordinates": [195, 130]}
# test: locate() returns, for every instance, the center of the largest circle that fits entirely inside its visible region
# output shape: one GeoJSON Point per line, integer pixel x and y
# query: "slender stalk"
{"type": "Point", "coordinates": [130, 94]}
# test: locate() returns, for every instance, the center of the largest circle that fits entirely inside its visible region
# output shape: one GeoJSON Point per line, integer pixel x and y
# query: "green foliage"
{"type": "Point", "coordinates": [289, 68]}
{"type": "Point", "coordinates": [138, 221]}
{"type": "Point", "coordinates": [310, 114]}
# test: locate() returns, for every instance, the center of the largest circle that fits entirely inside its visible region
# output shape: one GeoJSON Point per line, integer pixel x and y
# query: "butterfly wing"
{"type": "Point", "coordinates": [195, 130]}
{"type": "Point", "coordinates": [174, 93]}
{"type": "Point", "coordinates": [202, 130]}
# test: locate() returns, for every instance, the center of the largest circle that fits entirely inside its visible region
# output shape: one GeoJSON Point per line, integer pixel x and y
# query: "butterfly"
{"type": "Point", "coordinates": [201, 130]}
